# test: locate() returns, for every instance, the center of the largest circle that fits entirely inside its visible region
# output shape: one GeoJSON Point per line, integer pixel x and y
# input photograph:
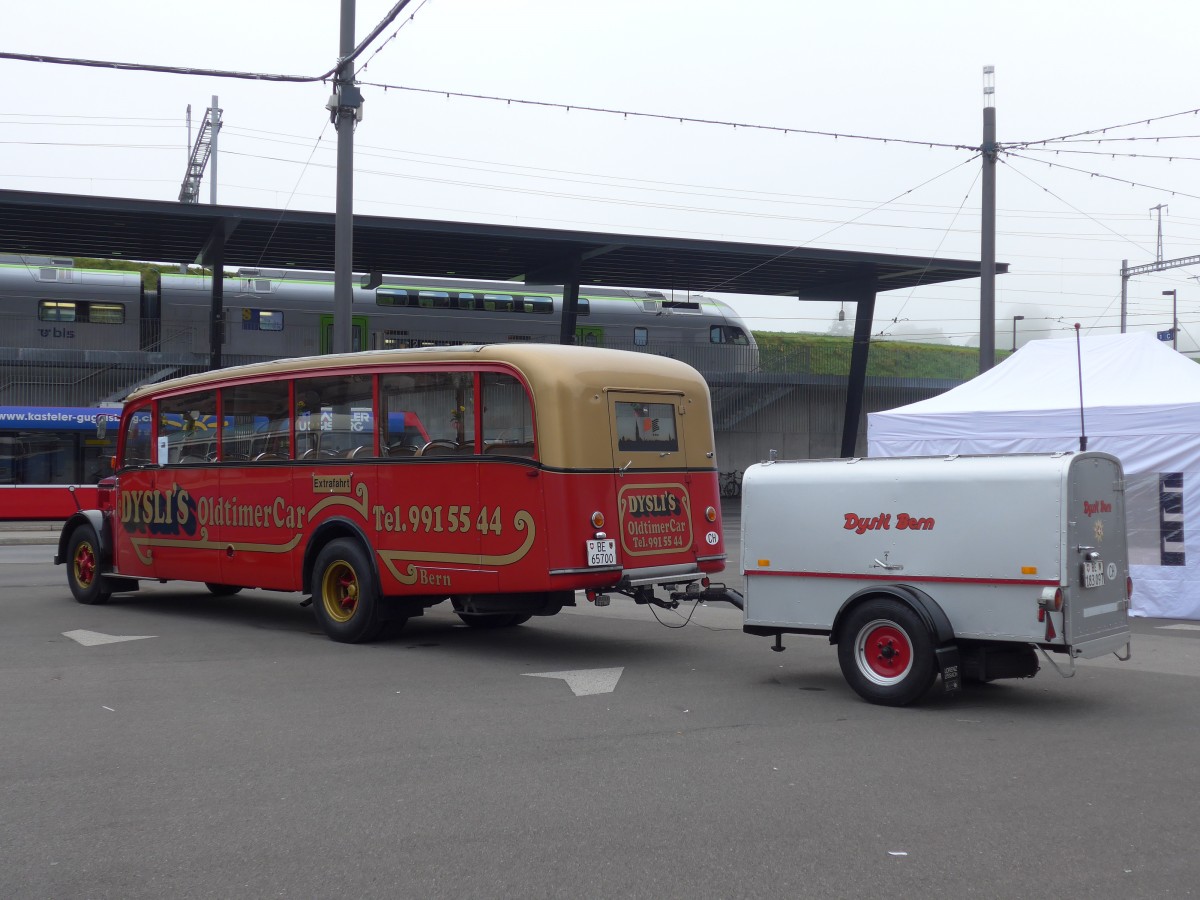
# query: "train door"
{"type": "Point", "coordinates": [358, 333]}
{"type": "Point", "coordinates": [589, 336]}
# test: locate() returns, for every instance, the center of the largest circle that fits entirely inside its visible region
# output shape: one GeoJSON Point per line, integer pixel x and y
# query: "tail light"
{"type": "Point", "coordinates": [710, 514]}
{"type": "Point", "coordinates": [1128, 587]}
{"type": "Point", "coordinates": [597, 519]}
{"type": "Point", "coordinates": [1051, 599]}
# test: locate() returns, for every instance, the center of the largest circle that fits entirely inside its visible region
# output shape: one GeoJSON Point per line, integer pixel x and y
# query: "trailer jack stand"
{"type": "Point", "coordinates": [779, 648]}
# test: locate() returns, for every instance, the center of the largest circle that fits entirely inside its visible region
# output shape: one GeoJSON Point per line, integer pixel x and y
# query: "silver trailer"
{"type": "Point", "coordinates": [961, 565]}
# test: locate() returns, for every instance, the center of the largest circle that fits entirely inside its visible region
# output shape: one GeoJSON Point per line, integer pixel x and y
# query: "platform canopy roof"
{"type": "Point", "coordinates": [46, 224]}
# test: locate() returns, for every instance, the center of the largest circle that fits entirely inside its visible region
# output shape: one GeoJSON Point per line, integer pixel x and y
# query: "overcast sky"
{"type": "Point", "coordinates": [910, 71]}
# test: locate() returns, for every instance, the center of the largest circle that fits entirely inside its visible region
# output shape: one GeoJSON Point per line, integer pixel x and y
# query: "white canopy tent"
{"type": "Point", "coordinates": [1141, 403]}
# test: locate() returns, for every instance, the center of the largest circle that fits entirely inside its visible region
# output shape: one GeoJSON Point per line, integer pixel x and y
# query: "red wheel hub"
{"type": "Point", "coordinates": [887, 651]}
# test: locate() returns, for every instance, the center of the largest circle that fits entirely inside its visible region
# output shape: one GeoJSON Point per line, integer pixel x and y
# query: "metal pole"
{"type": "Point", "coordinates": [987, 241]}
{"type": "Point", "coordinates": [344, 112]}
{"type": "Point", "coordinates": [1174, 319]}
{"type": "Point", "coordinates": [214, 121]}
{"type": "Point", "coordinates": [1016, 319]}
{"type": "Point", "coordinates": [1124, 292]}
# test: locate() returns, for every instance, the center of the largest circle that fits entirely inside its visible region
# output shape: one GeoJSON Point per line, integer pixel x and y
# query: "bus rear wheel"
{"type": "Point", "coordinates": [83, 567]}
{"type": "Point", "coordinates": [345, 596]}
{"type": "Point", "coordinates": [886, 653]}
{"type": "Point", "coordinates": [222, 590]}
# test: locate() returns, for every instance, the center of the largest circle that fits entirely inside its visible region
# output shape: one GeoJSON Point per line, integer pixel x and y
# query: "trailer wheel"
{"type": "Point", "coordinates": [345, 598]}
{"type": "Point", "coordinates": [886, 653]}
{"type": "Point", "coordinates": [222, 590]}
{"type": "Point", "coordinates": [83, 567]}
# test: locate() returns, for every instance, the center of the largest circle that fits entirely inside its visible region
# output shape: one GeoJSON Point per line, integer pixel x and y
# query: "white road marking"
{"type": "Point", "coordinates": [95, 638]}
{"type": "Point", "coordinates": [586, 681]}
{"type": "Point", "coordinates": [1177, 627]}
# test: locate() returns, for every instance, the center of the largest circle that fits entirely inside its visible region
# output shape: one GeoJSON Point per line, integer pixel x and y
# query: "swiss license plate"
{"type": "Point", "coordinates": [1093, 574]}
{"type": "Point", "coordinates": [602, 553]}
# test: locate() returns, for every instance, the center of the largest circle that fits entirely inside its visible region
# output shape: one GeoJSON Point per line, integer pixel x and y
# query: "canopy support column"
{"type": "Point", "coordinates": [864, 298]}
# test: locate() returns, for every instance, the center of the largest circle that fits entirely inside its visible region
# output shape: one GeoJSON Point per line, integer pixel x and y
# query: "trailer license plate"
{"type": "Point", "coordinates": [602, 553]}
{"type": "Point", "coordinates": [1093, 574]}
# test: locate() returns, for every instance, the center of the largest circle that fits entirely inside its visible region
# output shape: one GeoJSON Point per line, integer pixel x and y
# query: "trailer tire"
{"type": "Point", "coordinates": [83, 567]}
{"type": "Point", "coordinates": [345, 597]}
{"type": "Point", "coordinates": [886, 653]}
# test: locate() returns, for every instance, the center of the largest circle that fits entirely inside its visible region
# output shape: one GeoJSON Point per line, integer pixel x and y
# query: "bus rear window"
{"type": "Point", "coordinates": [646, 426]}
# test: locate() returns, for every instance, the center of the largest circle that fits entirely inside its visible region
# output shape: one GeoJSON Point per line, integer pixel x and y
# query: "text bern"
{"type": "Point", "coordinates": [883, 522]}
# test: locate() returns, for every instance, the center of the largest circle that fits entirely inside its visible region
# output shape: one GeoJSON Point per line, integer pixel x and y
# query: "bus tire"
{"type": "Point", "coordinates": [222, 590]}
{"type": "Point", "coordinates": [886, 653]}
{"type": "Point", "coordinates": [83, 567]}
{"type": "Point", "coordinates": [498, 620]}
{"type": "Point", "coordinates": [345, 597]}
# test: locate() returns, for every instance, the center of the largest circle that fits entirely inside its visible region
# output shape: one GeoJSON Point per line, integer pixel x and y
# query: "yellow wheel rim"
{"type": "Point", "coordinates": [339, 591]}
{"type": "Point", "coordinates": [84, 564]}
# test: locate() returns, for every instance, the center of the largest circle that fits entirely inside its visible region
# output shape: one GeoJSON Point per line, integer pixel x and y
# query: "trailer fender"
{"type": "Point", "coordinates": [95, 518]}
{"type": "Point", "coordinates": [928, 611]}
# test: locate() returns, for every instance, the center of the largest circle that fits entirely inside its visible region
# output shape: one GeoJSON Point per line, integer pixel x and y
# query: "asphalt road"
{"type": "Point", "coordinates": [234, 751]}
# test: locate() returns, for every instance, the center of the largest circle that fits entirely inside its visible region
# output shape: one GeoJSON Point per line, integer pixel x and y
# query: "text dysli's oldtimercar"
{"type": "Point", "coordinates": [503, 478]}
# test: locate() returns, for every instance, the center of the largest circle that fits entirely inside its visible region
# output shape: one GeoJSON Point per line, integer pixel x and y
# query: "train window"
{"type": "Point", "coordinates": [727, 334]}
{"type": "Point", "coordinates": [391, 297]}
{"type": "Point", "coordinates": [433, 300]}
{"type": "Point", "coordinates": [498, 302]}
{"type": "Point", "coordinates": [262, 320]}
{"type": "Point", "coordinates": [538, 305]}
{"type": "Point", "coordinates": [81, 311]}
{"type": "Point", "coordinates": [584, 307]}
{"type": "Point", "coordinates": [641, 337]}
{"type": "Point", "coordinates": [189, 425]}
{"type": "Point", "coordinates": [466, 301]}
{"type": "Point", "coordinates": [56, 311]}
{"type": "Point", "coordinates": [255, 426]}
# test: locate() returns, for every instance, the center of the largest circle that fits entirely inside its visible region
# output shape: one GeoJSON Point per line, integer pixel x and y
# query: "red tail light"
{"type": "Point", "coordinates": [1128, 587]}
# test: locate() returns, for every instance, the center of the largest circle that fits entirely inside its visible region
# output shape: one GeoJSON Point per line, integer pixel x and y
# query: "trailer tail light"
{"type": "Point", "coordinates": [1051, 599]}
{"type": "Point", "coordinates": [1128, 587]}
{"type": "Point", "coordinates": [710, 514]}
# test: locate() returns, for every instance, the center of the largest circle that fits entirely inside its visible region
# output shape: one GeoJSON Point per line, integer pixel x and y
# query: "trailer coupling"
{"type": "Point", "coordinates": [711, 593]}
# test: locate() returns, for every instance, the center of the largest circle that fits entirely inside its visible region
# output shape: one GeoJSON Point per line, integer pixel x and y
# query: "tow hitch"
{"type": "Point", "coordinates": [710, 593]}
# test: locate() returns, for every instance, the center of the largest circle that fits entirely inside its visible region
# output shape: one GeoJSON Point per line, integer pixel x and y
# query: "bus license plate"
{"type": "Point", "coordinates": [1093, 574]}
{"type": "Point", "coordinates": [602, 553]}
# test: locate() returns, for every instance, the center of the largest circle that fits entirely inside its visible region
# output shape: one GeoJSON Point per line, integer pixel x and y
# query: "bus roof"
{"type": "Point", "coordinates": [541, 364]}
{"type": "Point", "coordinates": [563, 379]}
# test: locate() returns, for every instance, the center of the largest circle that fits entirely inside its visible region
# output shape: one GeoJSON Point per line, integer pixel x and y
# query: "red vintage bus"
{"type": "Point", "coordinates": [503, 478]}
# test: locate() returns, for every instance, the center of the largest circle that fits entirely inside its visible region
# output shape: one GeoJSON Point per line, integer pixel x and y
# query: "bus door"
{"type": "Point", "coordinates": [137, 480]}
{"type": "Point", "coordinates": [653, 497]}
{"type": "Point", "coordinates": [358, 333]}
{"type": "Point", "coordinates": [184, 537]}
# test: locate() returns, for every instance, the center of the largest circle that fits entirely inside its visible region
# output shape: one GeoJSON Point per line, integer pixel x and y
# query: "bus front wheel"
{"type": "Point", "coordinates": [345, 597]}
{"type": "Point", "coordinates": [83, 567]}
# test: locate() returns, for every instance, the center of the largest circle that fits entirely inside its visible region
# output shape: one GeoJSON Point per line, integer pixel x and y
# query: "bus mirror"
{"type": "Point", "coordinates": [101, 427]}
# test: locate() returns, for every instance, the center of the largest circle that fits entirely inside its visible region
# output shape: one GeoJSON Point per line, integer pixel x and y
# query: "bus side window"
{"type": "Point", "coordinates": [255, 425]}
{"type": "Point", "coordinates": [434, 410]}
{"type": "Point", "coordinates": [136, 449]}
{"type": "Point", "coordinates": [189, 423]}
{"type": "Point", "coordinates": [334, 417]}
{"type": "Point", "coordinates": [507, 417]}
